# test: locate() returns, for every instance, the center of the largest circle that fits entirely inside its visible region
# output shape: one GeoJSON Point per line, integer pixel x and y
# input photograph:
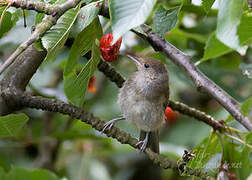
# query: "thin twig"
{"type": "Point", "coordinates": [239, 140]}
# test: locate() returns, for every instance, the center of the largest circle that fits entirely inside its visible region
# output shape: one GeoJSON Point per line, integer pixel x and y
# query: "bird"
{"type": "Point", "coordinates": [142, 99]}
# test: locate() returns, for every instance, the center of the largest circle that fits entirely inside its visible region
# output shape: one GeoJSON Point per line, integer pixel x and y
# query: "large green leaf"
{"type": "Point", "coordinates": [129, 14]}
{"type": "Point", "coordinates": [17, 173]}
{"type": "Point", "coordinates": [165, 19]}
{"type": "Point", "coordinates": [245, 161]}
{"type": "Point", "coordinates": [54, 39]}
{"type": "Point", "coordinates": [207, 4]}
{"type": "Point", "coordinates": [11, 124]}
{"type": "Point", "coordinates": [245, 29]}
{"type": "Point", "coordinates": [85, 16]}
{"type": "Point", "coordinates": [7, 23]}
{"type": "Point", "coordinates": [207, 152]}
{"type": "Point", "coordinates": [214, 48]}
{"type": "Point", "coordinates": [76, 86]}
{"type": "Point", "coordinates": [230, 13]}
{"type": "Point", "coordinates": [82, 44]}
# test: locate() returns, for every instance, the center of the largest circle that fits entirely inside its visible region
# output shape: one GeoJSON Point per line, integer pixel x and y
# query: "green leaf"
{"type": "Point", "coordinates": [230, 13]}
{"type": "Point", "coordinates": [246, 109]}
{"type": "Point", "coordinates": [7, 23]}
{"type": "Point", "coordinates": [39, 18]}
{"type": "Point", "coordinates": [245, 29]}
{"type": "Point", "coordinates": [82, 44]}
{"type": "Point", "coordinates": [54, 39]}
{"type": "Point", "coordinates": [246, 69]}
{"type": "Point", "coordinates": [207, 151]}
{"type": "Point", "coordinates": [214, 48]}
{"type": "Point", "coordinates": [11, 124]}
{"type": "Point", "coordinates": [76, 86]}
{"type": "Point", "coordinates": [165, 19]}
{"type": "Point", "coordinates": [207, 4]}
{"type": "Point", "coordinates": [245, 160]}
{"type": "Point", "coordinates": [129, 14]}
{"type": "Point", "coordinates": [85, 16]}
{"type": "Point", "coordinates": [17, 173]}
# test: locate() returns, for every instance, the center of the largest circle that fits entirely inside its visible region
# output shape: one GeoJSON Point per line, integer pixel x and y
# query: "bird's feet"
{"type": "Point", "coordinates": [109, 124]}
{"type": "Point", "coordinates": [143, 143]}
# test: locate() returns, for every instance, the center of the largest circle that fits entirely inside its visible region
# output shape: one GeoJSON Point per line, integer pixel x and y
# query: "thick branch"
{"type": "Point", "coordinates": [41, 7]}
{"type": "Point", "coordinates": [12, 93]}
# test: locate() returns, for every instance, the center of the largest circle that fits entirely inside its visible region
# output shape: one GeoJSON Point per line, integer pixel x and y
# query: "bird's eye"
{"type": "Point", "coordinates": [146, 65]}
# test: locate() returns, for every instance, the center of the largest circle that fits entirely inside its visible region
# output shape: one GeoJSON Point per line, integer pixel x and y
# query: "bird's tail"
{"type": "Point", "coordinates": [153, 142]}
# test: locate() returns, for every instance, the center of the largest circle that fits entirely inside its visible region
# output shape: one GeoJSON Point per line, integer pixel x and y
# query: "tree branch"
{"type": "Point", "coordinates": [40, 29]}
{"type": "Point", "coordinates": [202, 83]}
{"type": "Point", "coordinates": [11, 89]}
{"type": "Point", "coordinates": [184, 61]}
{"type": "Point", "coordinates": [41, 7]}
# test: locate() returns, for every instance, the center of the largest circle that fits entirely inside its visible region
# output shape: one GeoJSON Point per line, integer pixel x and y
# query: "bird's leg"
{"type": "Point", "coordinates": [144, 142]}
{"type": "Point", "coordinates": [109, 124]}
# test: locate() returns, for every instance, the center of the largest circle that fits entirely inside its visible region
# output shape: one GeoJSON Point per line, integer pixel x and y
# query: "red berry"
{"type": "Point", "coordinates": [109, 52]}
{"type": "Point", "coordinates": [171, 116]}
{"type": "Point", "coordinates": [91, 86]}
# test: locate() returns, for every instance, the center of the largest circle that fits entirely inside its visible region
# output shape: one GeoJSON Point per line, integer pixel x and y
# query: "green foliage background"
{"type": "Point", "coordinates": [219, 41]}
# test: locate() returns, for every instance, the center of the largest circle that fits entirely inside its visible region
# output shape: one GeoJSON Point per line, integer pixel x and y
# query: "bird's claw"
{"type": "Point", "coordinates": [108, 125]}
{"type": "Point", "coordinates": [143, 146]}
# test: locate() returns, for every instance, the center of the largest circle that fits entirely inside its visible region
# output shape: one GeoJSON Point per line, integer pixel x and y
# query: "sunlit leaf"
{"type": "Point", "coordinates": [126, 15]}
{"type": "Point", "coordinates": [165, 19]}
{"type": "Point", "coordinates": [85, 16]}
{"type": "Point", "coordinates": [7, 23]}
{"type": "Point", "coordinates": [207, 4]}
{"type": "Point", "coordinates": [230, 13]}
{"type": "Point", "coordinates": [209, 150]}
{"type": "Point", "coordinates": [11, 124]}
{"type": "Point", "coordinates": [54, 39]}
{"type": "Point", "coordinates": [245, 29]}
{"type": "Point", "coordinates": [214, 48]}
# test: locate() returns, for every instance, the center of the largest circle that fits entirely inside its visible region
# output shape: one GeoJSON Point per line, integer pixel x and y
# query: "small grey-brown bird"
{"type": "Point", "coordinates": [142, 99]}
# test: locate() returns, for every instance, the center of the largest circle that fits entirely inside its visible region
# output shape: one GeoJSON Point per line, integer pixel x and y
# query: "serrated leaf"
{"type": "Point", "coordinates": [229, 15]}
{"type": "Point", "coordinates": [129, 14]}
{"type": "Point", "coordinates": [54, 39]}
{"type": "Point", "coordinates": [245, 29]}
{"type": "Point", "coordinates": [214, 48]}
{"type": "Point", "coordinates": [165, 19]}
{"type": "Point", "coordinates": [82, 44]}
{"type": "Point", "coordinates": [207, 4]}
{"type": "Point", "coordinates": [246, 69]}
{"type": "Point", "coordinates": [85, 16]}
{"type": "Point", "coordinates": [11, 124]}
{"type": "Point", "coordinates": [205, 152]}
{"type": "Point", "coordinates": [76, 86]}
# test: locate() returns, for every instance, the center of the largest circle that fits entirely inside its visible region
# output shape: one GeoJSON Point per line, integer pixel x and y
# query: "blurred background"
{"type": "Point", "coordinates": [73, 150]}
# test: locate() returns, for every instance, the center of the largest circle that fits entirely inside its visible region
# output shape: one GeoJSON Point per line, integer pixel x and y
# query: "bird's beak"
{"type": "Point", "coordinates": [137, 60]}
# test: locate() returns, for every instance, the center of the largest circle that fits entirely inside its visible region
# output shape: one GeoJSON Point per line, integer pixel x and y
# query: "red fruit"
{"type": "Point", "coordinates": [109, 52]}
{"type": "Point", "coordinates": [171, 116]}
{"type": "Point", "coordinates": [91, 86]}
